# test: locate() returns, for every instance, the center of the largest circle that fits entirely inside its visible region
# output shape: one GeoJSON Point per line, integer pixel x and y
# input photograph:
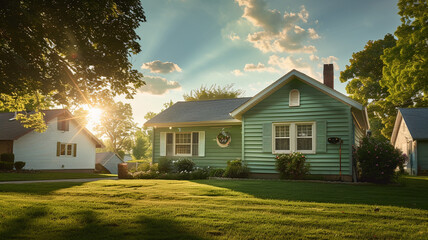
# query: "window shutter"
{"type": "Point", "coordinates": [162, 144]}
{"type": "Point", "coordinates": [201, 144]}
{"type": "Point", "coordinates": [267, 137]}
{"type": "Point", "coordinates": [58, 149]}
{"type": "Point", "coordinates": [321, 143]}
{"type": "Point", "coordinates": [75, 150]}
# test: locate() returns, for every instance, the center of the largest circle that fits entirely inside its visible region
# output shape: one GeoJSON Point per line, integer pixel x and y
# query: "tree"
{"type": "Point", "coordinates": [140, 150]}
{"type": "Point", "coordinates": [406, 68]}
{"type": "Point", "coordinates": [364, 75]}
{"type": "Point", "coordinates": [116, 126]}
{"type": "Point", "coordinates": [75, 51]}
{"type": "Point", "coordinates": [213, 92]}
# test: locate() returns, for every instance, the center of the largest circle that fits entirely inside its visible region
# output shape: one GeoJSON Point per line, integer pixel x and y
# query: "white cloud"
{"type": "Point", "coordinates": [280, 33]}
{"type": "Point", "coordinates": [314, 58]}
{"type": "Point", "coordinates": [233, 36]}
{"type": "Point", "coordinates": [161, 67]}
{"type": "Point", "coordinates": [331, 59]}
{"type": "Point", "coordinates": [158, 85]}
{"type": "Point", "coordinates": [260, 67]}
{"type": "Point", "coordinates": [290, 63]}
{"type": "Point", "coordinates": [237, 72]}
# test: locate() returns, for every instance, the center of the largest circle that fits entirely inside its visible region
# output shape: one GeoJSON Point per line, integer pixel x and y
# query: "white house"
{"type": "Point", "coordinates": [65, 145]}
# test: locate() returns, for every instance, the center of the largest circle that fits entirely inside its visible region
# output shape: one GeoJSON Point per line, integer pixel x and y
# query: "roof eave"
{"type": "Point", "coordinates": [191, 124]}
{"type": "Point", "coordinates": [397, 124]}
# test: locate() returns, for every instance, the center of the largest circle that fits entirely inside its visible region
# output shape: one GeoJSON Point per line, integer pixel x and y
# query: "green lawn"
{"type": "Point", "coordinates": [48, 176]}
{"type": "Point", "coordinates": [214, 209]}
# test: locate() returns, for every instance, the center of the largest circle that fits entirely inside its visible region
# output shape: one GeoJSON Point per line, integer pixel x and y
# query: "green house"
{"type": "Point", "coordinates": [295, 113]}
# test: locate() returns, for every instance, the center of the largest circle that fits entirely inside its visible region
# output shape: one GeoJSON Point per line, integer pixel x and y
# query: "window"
{"type": "Point", "coordinates": [290, 137]}
{"type": "Point", "coordinates": [63, 123]}
{"type": "Point", "coordinates": [183, 144]}
{"type": "Point", "coordinates": [294, 100]}
{"type": "Point", "coordinates": [66, 149]}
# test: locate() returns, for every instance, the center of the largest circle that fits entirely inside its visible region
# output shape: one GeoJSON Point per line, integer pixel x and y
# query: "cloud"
{"type": "Point", "coordinates": [290, 63]}
{"type": "Point", "coordinates": [331, 59]}
{"type": "Point", "coordinates": [233, 36]}
{"type": "Point", "coordinates": [314, 58]}
{"type": "Point", "coordinates": [161, 67]}
{"type": "Point", "coordinates": [260, 67]}
{"type": "Point", "coordinates": [237, 72]}
{"type": "Point", "coordinates": [158, 85]}
{"type": "Point", "coordinates": [280, 33]}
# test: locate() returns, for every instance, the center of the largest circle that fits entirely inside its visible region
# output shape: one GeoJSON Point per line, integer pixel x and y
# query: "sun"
{"type": "Point", "coordinates": [93, 118]}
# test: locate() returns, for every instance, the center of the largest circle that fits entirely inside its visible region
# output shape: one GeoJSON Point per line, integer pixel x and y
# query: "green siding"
{"type": "Point", "coordinates": [314, 106]}
{"type": "Point", "coordinates": [422, 155]}
{"type": "Point", "coordinates": [215, 156]}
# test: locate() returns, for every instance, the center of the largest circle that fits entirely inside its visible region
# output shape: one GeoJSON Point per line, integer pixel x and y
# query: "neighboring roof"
{"type": "Point", "coordinates": [416, 121]}
{"type": "Point", "coordinates": [198, 112]}
{"type": "Point", "coordinates": [237, 113]}
{"type": "Point", "coordinates": [11, 129]}
{"type": "Point", "coordinates": [109, 160]}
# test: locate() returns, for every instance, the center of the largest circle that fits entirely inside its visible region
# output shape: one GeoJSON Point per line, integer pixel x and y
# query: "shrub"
{"type": "Point", "coordinates": [184, 165]}
{"type": "Point", "coordinates": [165, 165]}
{"type": "Point", "coordinates": [19, 165]}
{"type": "Point", "coordinates": [292, 166]}
{"type": "Point", "coordinates": [7, 157]}
{"type": "Point", "coordinates": [236, 169]}
{"type": "Point", "coordinates": [217, 172]}
{"type": "Point", "coordinates": [378, 160]}
{"type": "Point", "coordinates": [144, 166]}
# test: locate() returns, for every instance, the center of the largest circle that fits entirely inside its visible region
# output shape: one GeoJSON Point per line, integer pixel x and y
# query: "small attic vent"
{"type": "Point", "coordinates": [294, 100]}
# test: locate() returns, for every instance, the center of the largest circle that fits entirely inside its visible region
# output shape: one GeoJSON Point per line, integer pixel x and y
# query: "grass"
{"type": "Point", "coordinates": [27, 176]}
{"type": "Point", "coordinates": [214, 209]}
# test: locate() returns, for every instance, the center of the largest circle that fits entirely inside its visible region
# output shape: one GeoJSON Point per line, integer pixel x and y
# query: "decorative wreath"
{"type": "Point", "coordinates": [223, 139]}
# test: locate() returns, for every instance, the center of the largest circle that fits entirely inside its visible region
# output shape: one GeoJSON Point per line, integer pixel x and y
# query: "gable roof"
{"type": "Point", "coordinates": [294, 74]}
{"type": "Point", "coordinates": [416, 121]}
{"type": "Point", "coordinates": [209, 112]}
{"type": "Point", "coordinates": [11, 129]}
{"type": "Point", "coordinates": [109, 160]}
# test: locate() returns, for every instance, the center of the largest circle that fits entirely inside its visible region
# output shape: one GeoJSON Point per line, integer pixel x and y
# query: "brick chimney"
{"type": "Point", "coordinates": [328, 75]}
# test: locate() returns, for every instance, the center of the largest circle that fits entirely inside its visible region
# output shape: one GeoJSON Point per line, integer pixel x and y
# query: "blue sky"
{"type": "Point", "coordinates": [250, 43]}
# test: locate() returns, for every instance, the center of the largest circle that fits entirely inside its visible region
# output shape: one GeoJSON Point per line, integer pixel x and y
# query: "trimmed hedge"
{"type": "Point", "coordinates": [19, 165]}
{"type": "Point", "coordinates": [6, 161]}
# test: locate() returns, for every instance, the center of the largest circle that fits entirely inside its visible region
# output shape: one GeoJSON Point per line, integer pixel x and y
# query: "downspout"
{"type": "Point", "coordinates": [153, 145]}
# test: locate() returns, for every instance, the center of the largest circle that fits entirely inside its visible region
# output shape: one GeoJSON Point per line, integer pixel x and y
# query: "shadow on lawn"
{"type": "Point", "coordinates": [411, 193]}
{"type": "Point", "coordinates": [91, 227]}
{"type": "Point", "coordinates": [37, 188]}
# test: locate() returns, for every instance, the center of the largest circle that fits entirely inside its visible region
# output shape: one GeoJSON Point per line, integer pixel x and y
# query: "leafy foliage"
{"type": "Point", "coordinates": [165, 165]}
{"type": "Point", "coordinates": [378, 160]}
{"type": "Point", "coordinates": [19, 165]}
{"type": "Point", "coordinates": [6, 161]}
{"type": "Point", "coordinates": [116, 125]}
{"type": "Point", "coordinates": [406, 67]}
{"type": "Point", "coordinates": [216, 172]}
{"type": "Point", "coordinates": [140, 149]}
{"type": "Point", "coordinates": [236, 169]}
{"type": "Point", "coordinates": [213, 92]}
{"type": "Point", "coordinates": [364, 75]}
{"type": "Point", "coordinates": [72, 51]}
{"type": "Point", "coordinates": [184, 165]}
{"type": "Point", "coordinates": [292, 166]}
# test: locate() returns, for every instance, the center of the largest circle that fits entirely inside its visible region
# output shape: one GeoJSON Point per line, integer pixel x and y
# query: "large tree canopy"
{"type": "Point", "coordinates": [213, 92]}
{"type": "Point", "coordinates": [73, 50]}
{"type": "Point", "coordinates": [364, 75]}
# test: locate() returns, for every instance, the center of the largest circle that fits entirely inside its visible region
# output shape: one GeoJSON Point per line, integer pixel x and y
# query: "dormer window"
{"type": "Point", "coordinates": [294, 100]}
{"type": "Point", "coordinates": [63, 123]}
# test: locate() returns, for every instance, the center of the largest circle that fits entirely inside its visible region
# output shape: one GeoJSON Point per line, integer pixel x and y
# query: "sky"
{"type": "Point", "coordinates": [248, 43]}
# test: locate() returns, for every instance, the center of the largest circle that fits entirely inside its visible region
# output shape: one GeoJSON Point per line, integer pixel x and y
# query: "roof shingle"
{"type": "Point", "coordinates": [416, 120]}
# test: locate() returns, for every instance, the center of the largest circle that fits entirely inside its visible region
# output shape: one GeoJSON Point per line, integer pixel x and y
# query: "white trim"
{"type": "Point", "coordinates": [293, 138]}
{"type": "Point", "coordinates": [397, 125]}
{"type": "Point", "coordinates": [294, 103]}
{"type": "Point", "coordinates": [66, 155]}
{"type": "Point", "coordinates": [237, 113]}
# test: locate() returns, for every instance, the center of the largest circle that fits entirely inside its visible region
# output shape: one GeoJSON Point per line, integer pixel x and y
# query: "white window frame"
{"type": "Point", "coordinates": [191, 144]}
{"type": "Point", "coordinates": [66, 151]}
{"type": "Point", "coordinates": [297, 104]}
{"type": "Point", "coordinates": [293, 137]}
